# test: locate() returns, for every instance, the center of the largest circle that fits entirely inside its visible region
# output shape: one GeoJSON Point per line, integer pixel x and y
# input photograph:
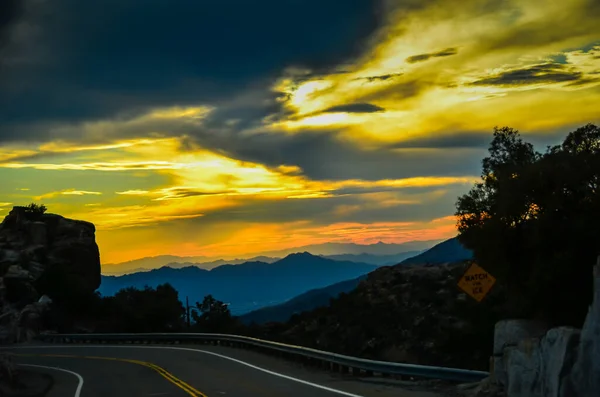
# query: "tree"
{"type": "Point", "coordinates": [215, 316]}
{"type": "Point", "coordinates": [533, 222]}
{"type": "Point", "coordinates": [147, 310]}
{"type": "Point", "coordinates": [34, 211]}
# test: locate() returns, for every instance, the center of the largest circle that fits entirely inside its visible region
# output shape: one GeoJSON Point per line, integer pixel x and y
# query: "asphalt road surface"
{"type": "Point", "coordinates": [199, 371]}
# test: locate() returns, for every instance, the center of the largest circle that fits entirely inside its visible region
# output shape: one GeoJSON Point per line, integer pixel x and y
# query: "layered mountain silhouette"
{"type": "Point", "coordinates": [246, 286]}
{"type": "Point", "coordinates": [446, 252]}
{"type": "Point", "coordinates": [377, 254]}
{"type": "Point", "coordinates": [176, 262]}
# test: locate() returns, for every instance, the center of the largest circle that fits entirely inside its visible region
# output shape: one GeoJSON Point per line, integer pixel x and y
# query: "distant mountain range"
{"type": "Point", "coordinates": [379, 260]}
{"type": "Point", "coordinates": [377, 254]}
{"type": "Point", "coordinates": [357, 249]}
{"type": "Point", "coordinates": [176, 262]}
{"type": "Point", "coordinates": [245, 286]}
{"type": "Point", "coordinates": [448, 251]}
{"type": "Point", "coordinates": [151, 262]}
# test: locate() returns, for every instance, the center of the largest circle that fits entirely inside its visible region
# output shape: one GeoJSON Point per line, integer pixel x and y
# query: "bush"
{"type": "Point", "coordinates": [34, 211]}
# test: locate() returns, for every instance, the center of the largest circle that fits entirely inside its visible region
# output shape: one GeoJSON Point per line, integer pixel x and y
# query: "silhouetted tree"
{"type": "Point", "coordinates": [534, 222]}
{"type": "Point", "coordinates": [215, 316]}
{"type": "Point", "coordinates": [34, 211]}
{"type": "Point", "coordinates": [129, 310]}
{"type": "Point", "coordinates": [148, 310]}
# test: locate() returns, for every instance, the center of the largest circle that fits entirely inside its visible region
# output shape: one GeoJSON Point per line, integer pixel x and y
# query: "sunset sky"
{"type": "Point", "coordinates": [226, 128]}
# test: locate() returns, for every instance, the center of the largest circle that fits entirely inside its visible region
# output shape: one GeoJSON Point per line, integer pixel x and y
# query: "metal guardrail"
{"type": "Point", "coordinates": [332, 361]}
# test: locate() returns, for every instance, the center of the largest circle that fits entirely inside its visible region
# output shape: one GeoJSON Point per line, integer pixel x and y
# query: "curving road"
{"type": "Point", "coordinates": [180, 371]}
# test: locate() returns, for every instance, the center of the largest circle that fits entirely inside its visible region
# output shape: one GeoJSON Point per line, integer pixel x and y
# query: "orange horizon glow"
{"type": "Point", "coordinates": [265, 238]}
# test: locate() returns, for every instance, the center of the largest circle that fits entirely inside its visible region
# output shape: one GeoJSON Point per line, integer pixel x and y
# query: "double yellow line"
{"type": "Point", "coordinates": [164, 373]}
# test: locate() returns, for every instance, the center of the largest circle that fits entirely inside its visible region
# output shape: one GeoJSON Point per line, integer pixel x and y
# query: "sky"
{"type": "Point", "coordinates": [227, 128]}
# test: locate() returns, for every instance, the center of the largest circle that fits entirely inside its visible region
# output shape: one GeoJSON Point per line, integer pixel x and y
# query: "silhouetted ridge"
{"type": "Point", "coordinates": [247, 286]}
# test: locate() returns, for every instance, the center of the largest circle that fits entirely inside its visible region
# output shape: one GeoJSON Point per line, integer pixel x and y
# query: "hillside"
{"type": "Point", "coordinates": [447, 251]}
{"type": "Point", "coordinates": [442, 253]}
{"type": "Point", "coordinates": [301, 303]}
{"type": "Point", "coordinates": [403, 313]}
{"type": "Point", "coordinates": [247, 286]}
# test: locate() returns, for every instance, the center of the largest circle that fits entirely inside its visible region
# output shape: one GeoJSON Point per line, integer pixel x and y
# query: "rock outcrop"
{"type": "Point", "coordinates": [41, 254]}
{"type": "Point", "coordinates": [562, 362]}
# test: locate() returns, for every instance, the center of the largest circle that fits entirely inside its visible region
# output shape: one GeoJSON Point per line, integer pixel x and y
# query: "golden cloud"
{"type": "Point", "coordinates": [67, 192]}
{"type": "Point", "coordinates": [458, 67]}
{"type": "Point", "coordinates": [202, 181]}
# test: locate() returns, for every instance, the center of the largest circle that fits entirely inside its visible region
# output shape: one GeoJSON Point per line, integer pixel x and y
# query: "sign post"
{"type": "Point", "coordinates": [476, 282]}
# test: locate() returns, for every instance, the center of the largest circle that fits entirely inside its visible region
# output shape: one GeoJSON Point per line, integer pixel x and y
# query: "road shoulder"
{"type": "Point", "coordinates": [30, 383]}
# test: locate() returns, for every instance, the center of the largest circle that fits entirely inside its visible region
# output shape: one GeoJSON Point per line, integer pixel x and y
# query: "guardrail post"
{"type": "Point", "coordinates": [355, 371]}
{"type": "Point", "coordinates": [344, 369]}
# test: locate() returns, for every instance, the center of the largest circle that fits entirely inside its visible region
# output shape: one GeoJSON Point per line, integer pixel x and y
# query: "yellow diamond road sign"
{"type": "Point", "coordinates": [476, 282]}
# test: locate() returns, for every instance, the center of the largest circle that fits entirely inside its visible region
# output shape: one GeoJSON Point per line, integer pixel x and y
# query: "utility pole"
{"type": "Point", "coordinates": [187, 312]}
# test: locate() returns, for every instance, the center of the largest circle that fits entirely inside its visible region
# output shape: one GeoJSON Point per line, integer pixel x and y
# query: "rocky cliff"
{"type": "Point", "coordinates": [530, 361]}
{"type": "Point", "coordinates": [413, 314]}
{"type": "Point", "coordinates": [42, 254]}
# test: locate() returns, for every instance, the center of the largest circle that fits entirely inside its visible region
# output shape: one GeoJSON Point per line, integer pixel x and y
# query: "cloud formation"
{"type": "Point", "coordinates": [535, 74]}
{"type": "Point", "coordinates": [355, 108]}
{"type": "Point", "coordinates": [439, 54]}
{"type": "Point", "coordinates": [278, 122]}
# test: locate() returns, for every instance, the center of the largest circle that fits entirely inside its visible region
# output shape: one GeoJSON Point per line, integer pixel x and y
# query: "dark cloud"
{"type": "Point", "coordinates": [576, 21]}
{"type": "Point", "coordinates": [383, 77]}
{"type": "Point", "coordinates": [542, 73]}
{"type": "Point", "coordinates": [479, 140]}
{"type": "Point", "coordinates": [423, 57]}
{"type": "Point", "coordinates": [321, 155]}
{"type": "Point", "coordinates": [584, 81]}
{"type": "Point", "coordinates": [180, 193]}
{"type": "Point", "coordinates": [10, 12]}
{"type": "Point", "coordinates": [324, 211]}
{"type": "Point", "coordinates": [115, 55]}
{"type": "Point", "coordinates": [475, 139]}
{"type": "Point", "coordinates": [400, 90]}
{"type": "Point", "coordinates": [355, 108]}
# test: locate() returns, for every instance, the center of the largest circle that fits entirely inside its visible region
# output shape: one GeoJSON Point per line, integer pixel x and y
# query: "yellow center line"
{"type": "Point", "coordinates": [164, 373]}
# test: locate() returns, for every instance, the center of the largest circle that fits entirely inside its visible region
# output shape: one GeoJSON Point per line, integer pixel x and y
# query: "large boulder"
{"type": "Point", "coordinates": [564, 362]}
{"type": "Point", "coordinates": [43, 242]}
{"type": "Point", "coordinates": [42, 254]}
{"type": "Point", "coordinates": [585, 377]}
{"type": "Point", "coordinates": [508, 333]}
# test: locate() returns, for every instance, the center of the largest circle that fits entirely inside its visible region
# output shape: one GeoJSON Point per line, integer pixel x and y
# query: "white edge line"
{"type": "Point", "coordinates": [343, 393]}
{"type": "Point", "coordinates": [79, 377]}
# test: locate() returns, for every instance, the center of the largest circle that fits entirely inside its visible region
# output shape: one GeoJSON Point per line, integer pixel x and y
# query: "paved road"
{"type": "Point", "coordinates": [180, 371]}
